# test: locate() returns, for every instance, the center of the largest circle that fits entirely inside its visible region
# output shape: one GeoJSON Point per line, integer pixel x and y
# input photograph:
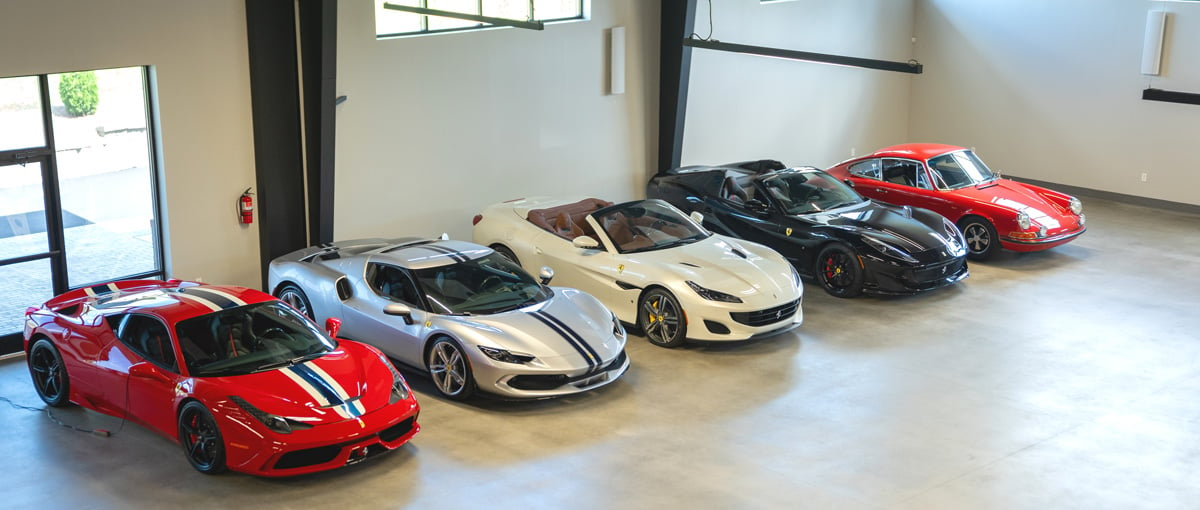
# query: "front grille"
{"type": "Point", "coordinates": [398, 430]}
{"type": "Point", "coordinates": [768, 316]}
{"type": "Point", "coordinates": [309, 457]}
{"type": "Point", "coordinates": [549, 382]}
{"type": "Point", "coordinates": [937, 272]}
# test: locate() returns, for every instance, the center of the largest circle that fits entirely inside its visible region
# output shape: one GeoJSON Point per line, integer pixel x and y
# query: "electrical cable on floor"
{"type": "Point", "coordinates": [50, 415]}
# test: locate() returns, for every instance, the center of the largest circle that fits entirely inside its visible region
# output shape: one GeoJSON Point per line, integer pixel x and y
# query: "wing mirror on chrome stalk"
{"type": "Point", "coordinates": [546, 274]}
{"type": "Point", "coordinates": [848, 182]}
{"type": "Point", "coordinates": [332, 326]}
{"type": "Point", "coordinates": [399, 310]}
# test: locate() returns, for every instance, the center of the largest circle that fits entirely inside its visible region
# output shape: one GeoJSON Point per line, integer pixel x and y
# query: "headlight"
{"type": "Point", "coordinates": [1076, 206]}
{"type": "Point", "coordinates": [795, 276]}
{"type": "Point", "coordinates": [618, 330]}
{"type": "Point", "coordinates": [1023, 220]}
{"type": "Point", "coordinates": [888, 249]}
{"type": "Point", "coordinates": [1041, 231]}
{"type": "Point", "coordinates": [1082, 219]}
{"type": "Point", "coordinates": [507, 356]}
{"type": "Point", "coordinates": [277, 424]}
{"type": "Point", "coordinates": [713, 295]}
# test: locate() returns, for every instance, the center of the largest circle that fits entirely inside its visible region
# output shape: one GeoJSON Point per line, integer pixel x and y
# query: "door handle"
{"type": "Point", "coordinates": [880, 190]}
{"type": "Point", "coordinates": [538, 250]}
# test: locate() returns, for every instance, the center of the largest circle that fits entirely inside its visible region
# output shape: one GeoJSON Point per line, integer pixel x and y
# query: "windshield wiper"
{"type": "Point", "coordinates": [288, 362]}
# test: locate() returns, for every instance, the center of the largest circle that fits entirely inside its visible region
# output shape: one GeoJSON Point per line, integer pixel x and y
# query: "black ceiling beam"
{"type": "Point", "coordinates": [912, 67]}
{"type": "Point", "coordinates": [1171, 96]}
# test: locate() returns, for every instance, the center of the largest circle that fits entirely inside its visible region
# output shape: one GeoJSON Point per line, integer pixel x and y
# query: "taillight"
{"type": "Point", "coordinates": [475, 220]}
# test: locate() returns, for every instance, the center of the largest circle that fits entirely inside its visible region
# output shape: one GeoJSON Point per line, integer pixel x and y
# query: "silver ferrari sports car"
{"type": "Point", "coordinates": [467, 315]}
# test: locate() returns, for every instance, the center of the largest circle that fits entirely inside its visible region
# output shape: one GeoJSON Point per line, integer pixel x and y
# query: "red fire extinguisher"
{"type": "Point", "coordinates": [246, 207]}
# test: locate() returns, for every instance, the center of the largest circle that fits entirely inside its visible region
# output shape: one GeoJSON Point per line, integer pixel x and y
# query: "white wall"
{"type": "Point", "coordinates": [200, 53]}
{"type": "Point", "coordinates": [1051, 90]}
{"type": "Point", "coordinates": [437, 127]}
{"type": "Point", "coordinates": [746, 107]}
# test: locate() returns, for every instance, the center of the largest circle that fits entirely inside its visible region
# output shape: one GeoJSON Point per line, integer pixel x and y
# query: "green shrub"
{"type": "Point", "coordinates": [79, 92]}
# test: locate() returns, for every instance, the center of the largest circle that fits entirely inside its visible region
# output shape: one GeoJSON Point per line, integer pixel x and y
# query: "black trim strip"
{"type": "Point", "coordinates": [592, 360]}
{"type": "Point", "coordinates": [912, 66]}
{"type": "Point", "coordinates": [1171, 96]}
{"type": "Point", "coordinates": [217, 299]}
{"type": "Point", "coordinates": [627, 285]}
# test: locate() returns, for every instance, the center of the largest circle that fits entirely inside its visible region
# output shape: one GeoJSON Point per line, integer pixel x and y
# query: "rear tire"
{"type": "Point", "coordinates": [294, 296]}
{"type": "Point", "coordinates": [982, 240]}
{"type": "Point", "coordinates": [503, 250]}
{"type": "Point", "coordinates": [49, 374]}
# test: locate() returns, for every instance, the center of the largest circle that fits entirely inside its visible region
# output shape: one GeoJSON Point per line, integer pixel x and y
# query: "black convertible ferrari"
{"type": "Point", "coordinates": [847, 243]}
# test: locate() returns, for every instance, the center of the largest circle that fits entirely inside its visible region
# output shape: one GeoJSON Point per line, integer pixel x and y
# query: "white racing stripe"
{"type": "Point", "coordinates": [315, 393]}
{"type": "Point", "coordinates": [358, 407]}
{"type": "Point", "coordinates": [225, 295]}
{"type": "Point", "coordinates": [199, 300]}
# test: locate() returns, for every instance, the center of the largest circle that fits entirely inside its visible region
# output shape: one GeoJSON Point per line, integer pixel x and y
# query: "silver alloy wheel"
{"type": "Point", "coordinates": [660, 319]}
{"type": "Point", "coordinates": [448, 368]}
{"type": "Point", "coordinates": [978, 237]}
{"type": "Point", "coordinates": [295, 297]}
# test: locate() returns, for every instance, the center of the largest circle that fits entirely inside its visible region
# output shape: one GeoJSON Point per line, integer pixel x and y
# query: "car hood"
{"type": "Point", "coordinates": [904, 227]}
{"type": "Point", "coordinates": [1016, 197]}
{"type": "Point", "coordinates": [570, 325]}
{"type": "Point", "coordinates": [746, 270]}
{"type": "Point", "coordinates": [341, 385]}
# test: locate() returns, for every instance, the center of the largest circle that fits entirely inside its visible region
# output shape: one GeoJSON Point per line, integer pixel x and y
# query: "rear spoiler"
{"type": "Point", "coordinates": [761, 166]}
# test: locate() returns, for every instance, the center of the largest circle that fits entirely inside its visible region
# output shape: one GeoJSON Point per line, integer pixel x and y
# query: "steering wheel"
{"type": "Point", "coordinates": [490, 282]}
{"type": "Point", "coordinates": [274, 334]}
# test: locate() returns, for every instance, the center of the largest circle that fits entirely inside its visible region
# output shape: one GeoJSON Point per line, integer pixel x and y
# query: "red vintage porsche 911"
{"type": "Point", "coordinates": [953, 181]}
{"type": "Point", "coordinates": [240, 379]}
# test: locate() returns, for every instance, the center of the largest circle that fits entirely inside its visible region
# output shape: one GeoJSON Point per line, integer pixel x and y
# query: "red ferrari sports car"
{"type": "Point", "coordinates": [953, 181]}
{"type": "Point", "coordinates": [240, 379]}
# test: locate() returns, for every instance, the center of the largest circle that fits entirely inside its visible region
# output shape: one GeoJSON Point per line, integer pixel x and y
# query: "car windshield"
{"type": "Point", "coordinates": [489, 284]}
{"type": "Point", "coordinates": [809, 192]}
{"type": "Point", "coordinates": [959, 169]}
{"type": "Point", "coordinates": [647, 225]}
{"type": "Point", "coordinates": [249, 339]}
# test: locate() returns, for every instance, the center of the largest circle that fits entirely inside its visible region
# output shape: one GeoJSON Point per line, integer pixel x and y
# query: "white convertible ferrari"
{"type": "Point", "coordinates": [651, 265]}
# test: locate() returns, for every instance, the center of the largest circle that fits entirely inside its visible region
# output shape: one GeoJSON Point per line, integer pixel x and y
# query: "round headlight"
{"type": "Point", "coordinates": [1076, 206]}
{"type": "Point", "coordinates": [1023, 221]}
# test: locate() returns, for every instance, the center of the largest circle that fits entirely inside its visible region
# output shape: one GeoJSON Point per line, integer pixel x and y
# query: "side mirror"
{"type": "Point", "coordinates": [546, 274]}
{"type": "Point", "coordinates": [332, 326]}
{"type": "Point", "coordinates": [848, 182]}
{"type": "Point", "coordinates": [585, 242]}
{"type": "Point", "coordinates": [697, 217]}
{"type": "Point", "coordinates": [399, 310]}
{"type": "Point", "coordinates": [144, 370]}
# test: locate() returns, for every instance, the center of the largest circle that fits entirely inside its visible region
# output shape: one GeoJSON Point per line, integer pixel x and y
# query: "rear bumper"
{"type": "Point", "coordinates": [321, 448]}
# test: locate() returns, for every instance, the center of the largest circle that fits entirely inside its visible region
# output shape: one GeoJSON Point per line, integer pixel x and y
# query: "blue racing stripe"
{"type": "Point", "coordinates": [576, 336]}
{"type": "Point", "coordinates": [324, 387]}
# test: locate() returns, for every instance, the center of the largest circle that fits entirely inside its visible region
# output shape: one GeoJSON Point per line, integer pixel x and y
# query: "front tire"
{"type": "Point", "coordinates": [982, 240]}
{"type": "Point", "coordinates": [49, 374]}
{"type": "Point", "coordinates": [294, 296]}
{"type": "Point", "coordinates": [839, 272]}
{"type": "Point", "coordinates": [661, 319]}
{"type": "Point", "coordinates": [201, 439]}
{"type": "Point", "coordinates": [450, 370]}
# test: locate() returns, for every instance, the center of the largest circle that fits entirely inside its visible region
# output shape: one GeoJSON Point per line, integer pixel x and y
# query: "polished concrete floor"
{"type": "Point", "coordinates": [1062, 379]}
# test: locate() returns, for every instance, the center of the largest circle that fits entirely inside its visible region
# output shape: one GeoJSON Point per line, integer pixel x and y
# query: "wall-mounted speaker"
{"type": "Point", "coordinates": [616, 60]}
{"type": "Point", "coordinates": [1156, 24]}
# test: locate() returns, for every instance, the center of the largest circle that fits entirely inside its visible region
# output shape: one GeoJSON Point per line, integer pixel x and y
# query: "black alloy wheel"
{"type": "Point", "coordinates": [839, 271]}
{"type": "Point", "coordinates": [292, 295]}
{"type": "Point", "coordinates": [49, 375]}
{"type": "Point", "coordinates": [450, 369]}
{"type": "Point", "coordinates": [661, 319]}
{"type": "Point", "coordinates": [982, 240]}
{"type": "Point", "coordinates": [201, 439]}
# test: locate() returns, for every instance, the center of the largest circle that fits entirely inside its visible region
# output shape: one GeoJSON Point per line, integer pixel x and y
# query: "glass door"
{"type": "Point", "coordinates": [26, 257]}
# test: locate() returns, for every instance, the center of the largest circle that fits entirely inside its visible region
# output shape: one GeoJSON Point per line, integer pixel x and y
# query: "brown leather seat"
{"type": "Point", "coordinates": [565, 228]}
{"type": "Point", "coordinates": [549, 219]}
